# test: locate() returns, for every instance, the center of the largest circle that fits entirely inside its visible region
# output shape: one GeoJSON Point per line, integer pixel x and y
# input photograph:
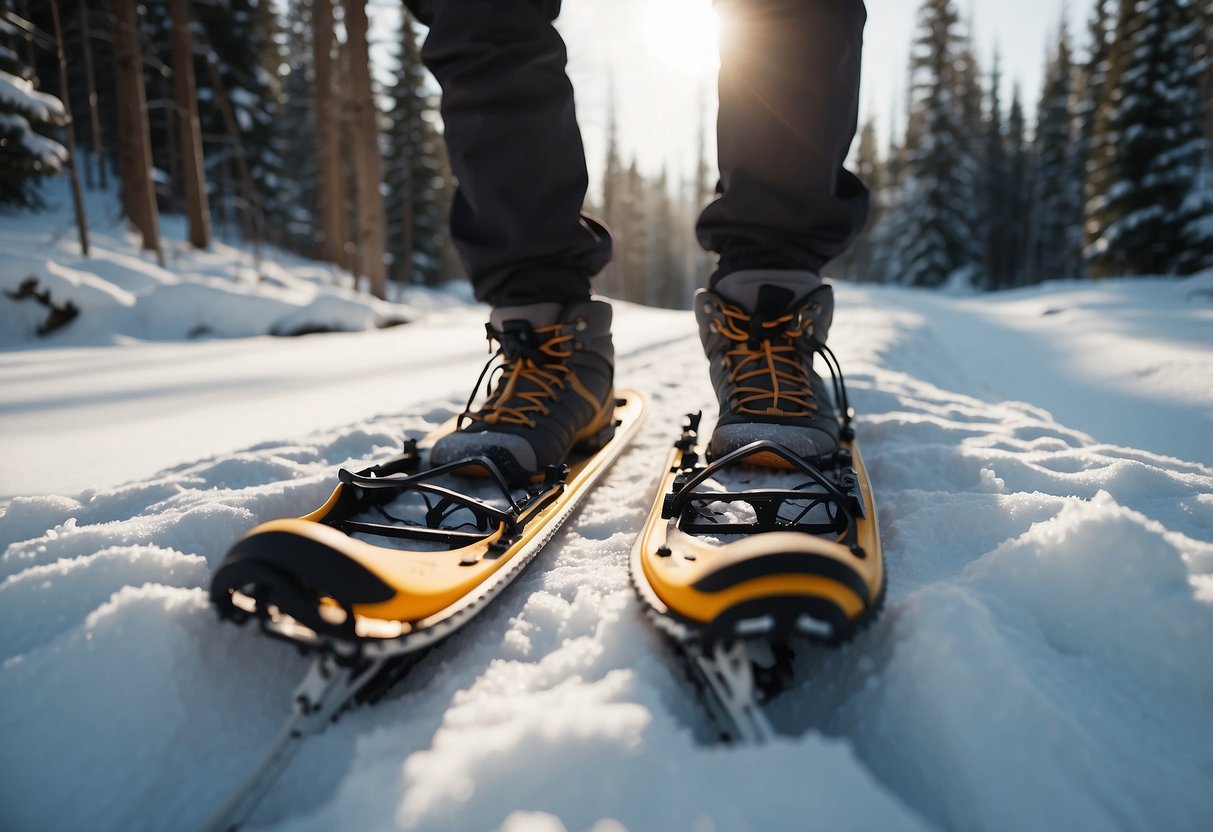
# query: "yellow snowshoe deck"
{"type": "Point", "coordinates": [310, 580]}
{"type": "Point", "coordinates": [798, 555]}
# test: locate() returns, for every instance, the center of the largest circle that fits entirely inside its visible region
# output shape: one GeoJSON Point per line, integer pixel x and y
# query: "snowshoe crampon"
{"type": "Point", "coordinates": [400, 555]}
{"type": "Point", "coordinates": [798, 554]}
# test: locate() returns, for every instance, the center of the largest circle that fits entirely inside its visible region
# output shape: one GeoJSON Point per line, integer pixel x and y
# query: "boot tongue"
{"type": "Point", "coordinates": [773, 300]}
{"type": "Point", "coordinates": [535, 314]}
{"type": "Point", "coordinates": [767, 292]}
{"type": "Point", "coordinates": [515, 327]}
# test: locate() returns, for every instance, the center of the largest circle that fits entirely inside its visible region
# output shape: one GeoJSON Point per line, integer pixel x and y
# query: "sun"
{"type": "Point", "coordinates": [683, 34]}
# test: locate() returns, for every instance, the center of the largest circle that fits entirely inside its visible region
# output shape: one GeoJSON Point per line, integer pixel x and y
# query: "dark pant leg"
{"type": "Point", "coordinates": [515, 147]}
{"type": "Point", "coordinates": [789, 98]}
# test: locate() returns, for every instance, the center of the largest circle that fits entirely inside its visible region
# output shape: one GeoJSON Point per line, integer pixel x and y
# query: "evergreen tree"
{"type": "Point", "coordinates": [858, 263]}
{"type": "Point", "coordinates": [418, 178]}
{"type": "Point", "coordinates": [1017, 196]}
{"type": "Point", "coordinates": [186, 99]}
{"type": "Point", "coordinates": [994, 179]}
{"type": "Point", "coordinates": [27, 154]}
{"type": "Point", "coordinates": [1094, 149]}
{"type": "Point", "coordinates": [239, 94]}
{"type": "Point", "coordinates": [1204, 22]}
{"type": "Point", "coordinates": [134, 141]}
{"type": "Point", "coordinates": [1057, 243]}
{"type": "Point", "coordinates": [290, 207]}
{"type": "Point", "coordinates": [971, 98]}
{"type": "Point", "coordinates": [664, 283]}
{"type": "Point", "coordinates": [1154, 127]}
{"type": "Point", "coordinates": [1193, 84]}
{"type": "Point", "coordinates": [935, 238]}
{"type": "Point", "coordinates": [635, 233]}
{"type": "Point", "coordinates": [613, 202]}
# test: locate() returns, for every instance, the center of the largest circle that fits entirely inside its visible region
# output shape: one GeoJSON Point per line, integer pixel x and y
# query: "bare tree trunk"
{"type": "Point", "coordinates": [368, 167]}
{"type": "Point", "coordinates": [346, 177]}
{"type": "Point", "coordinates": [330, 191]}
{"type": "Point", "coordinates": [95, 139]}
{"type": "Point", "coordinates": [138, 190]}
{"type": "Point", "coordinates": [70, 130]}
{"type": "Point", "coordinates": [197, 209]}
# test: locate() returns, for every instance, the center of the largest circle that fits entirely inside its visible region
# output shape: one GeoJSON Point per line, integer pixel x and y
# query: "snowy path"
{"type": "Point", "coordinates": [1042, 663]}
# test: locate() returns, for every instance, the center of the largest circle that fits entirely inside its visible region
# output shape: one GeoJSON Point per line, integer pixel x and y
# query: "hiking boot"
{"type": "Point", "coordinates": [554, 390]}
{"type": "Point", "coordinates": [760, 330]}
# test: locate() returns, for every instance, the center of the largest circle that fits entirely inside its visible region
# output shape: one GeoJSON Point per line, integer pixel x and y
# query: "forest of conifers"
{"type": "Point", "coordinates": [263, 121]}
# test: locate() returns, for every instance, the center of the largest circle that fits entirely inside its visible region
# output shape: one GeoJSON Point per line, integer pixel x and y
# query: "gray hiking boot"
{"type": "Point", "coordinates": [760, 330]}
{"type": "Point", "coordinates": [555, 390]}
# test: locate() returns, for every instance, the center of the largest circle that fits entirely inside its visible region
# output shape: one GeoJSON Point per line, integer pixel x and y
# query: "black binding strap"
{"type": "Point", "coordinates": [441, 502]}
{"type": "Point", "coordinates": [819, 491]}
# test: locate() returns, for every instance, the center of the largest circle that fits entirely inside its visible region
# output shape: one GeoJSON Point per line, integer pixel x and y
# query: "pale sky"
{"type": "Point", "coordinates": [659, 55]}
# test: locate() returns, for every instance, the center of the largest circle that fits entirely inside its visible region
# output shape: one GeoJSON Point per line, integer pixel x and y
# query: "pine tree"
{"type": "Point", "coordinates": [192, 177]}
{"type": "Point", "coordinates": [994, 179]}
{"type": "Point", "coordinates": [239, 94]}
{"type": "Point", "coordinates": [1057, 243]}
{"type": "Point", "coordinates": [333, 225]}
{"type": "Point", "coordinates": [367, 161]}
{"type": "Point", "coordinates": [27, 154]}
{"type": "Point", "coordinates": [858, 262]}
{"type": "Point", "coordinates": [418, 178]}
{"type": "Point", "coordinates": [971, 98]}
{"type": "Point", "coordinates": [1017, 196]}
{"type": "Point", "coordinates": [1192, 82]}
{"type": "Point", "coordinates": [1155, 135]}
{"type": "Point", "coordinates": [636, 234]}
{"type": "Point", "coordinates": [665, 279]}
{"type": "Point", "coordinates": [1094, 149]}
{"type": "Point", "coordinates": [134, 141]}
{"type": "Point", "coordinates": [935, 233]}
{"type": "Point", "coordinates": [613, 200]}
{"type": "Point", "coordinates": [290, 207]}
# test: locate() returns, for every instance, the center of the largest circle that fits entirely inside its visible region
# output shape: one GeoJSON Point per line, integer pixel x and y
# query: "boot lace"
{"type": "Point", "coordinates": [765, 350]}
{"type": "Point", "coordinates": [525, 372]}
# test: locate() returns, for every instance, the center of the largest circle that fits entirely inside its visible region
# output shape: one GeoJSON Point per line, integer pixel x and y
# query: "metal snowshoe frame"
{"type": "Point", "coordinates": [380, 484]}
{"type": "Point", "coordinates": [841, 500]}
{"type": "Point", "coordinates": [261, 591]}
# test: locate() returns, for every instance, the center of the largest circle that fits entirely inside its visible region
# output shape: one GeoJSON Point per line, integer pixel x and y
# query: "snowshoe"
{"type": "Point", "coordinates": [733, 575]}
{"type": "Point", "coordinates": [398, 558]}
{"type": "Point", "coordinates": [400, 554]}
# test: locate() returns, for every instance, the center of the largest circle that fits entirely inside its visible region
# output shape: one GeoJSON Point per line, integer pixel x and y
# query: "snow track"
{"type": "Point", "coordinates": [1042, 661]}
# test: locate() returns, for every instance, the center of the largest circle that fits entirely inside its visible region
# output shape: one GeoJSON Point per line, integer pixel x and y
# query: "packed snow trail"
{"type": "Point", "coordinates": [1042, 661]}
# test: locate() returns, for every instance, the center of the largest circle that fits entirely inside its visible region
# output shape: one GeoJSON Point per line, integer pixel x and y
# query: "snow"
{"type": "Point", "coordinates": [19, 94]}
{"type": "Point", "coordinates": [1043, 466]}
{"type": "Point", "coordinates": [47, 153]}
{"type": "Point", "coordinates": [122, 294]}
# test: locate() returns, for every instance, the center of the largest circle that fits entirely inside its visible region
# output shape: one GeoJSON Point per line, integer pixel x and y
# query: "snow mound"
{"type": "Point", "coordinates": [121, 292]}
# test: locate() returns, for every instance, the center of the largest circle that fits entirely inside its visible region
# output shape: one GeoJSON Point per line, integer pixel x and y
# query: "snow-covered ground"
{"type": "Point", "coordinates": [1043, 464]}
{"type": "Point", "coordinates": [121, 294]}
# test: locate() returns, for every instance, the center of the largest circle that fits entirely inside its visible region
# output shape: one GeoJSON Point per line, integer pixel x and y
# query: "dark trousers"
{"type": "Point", "coordinates": [789, 92]}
